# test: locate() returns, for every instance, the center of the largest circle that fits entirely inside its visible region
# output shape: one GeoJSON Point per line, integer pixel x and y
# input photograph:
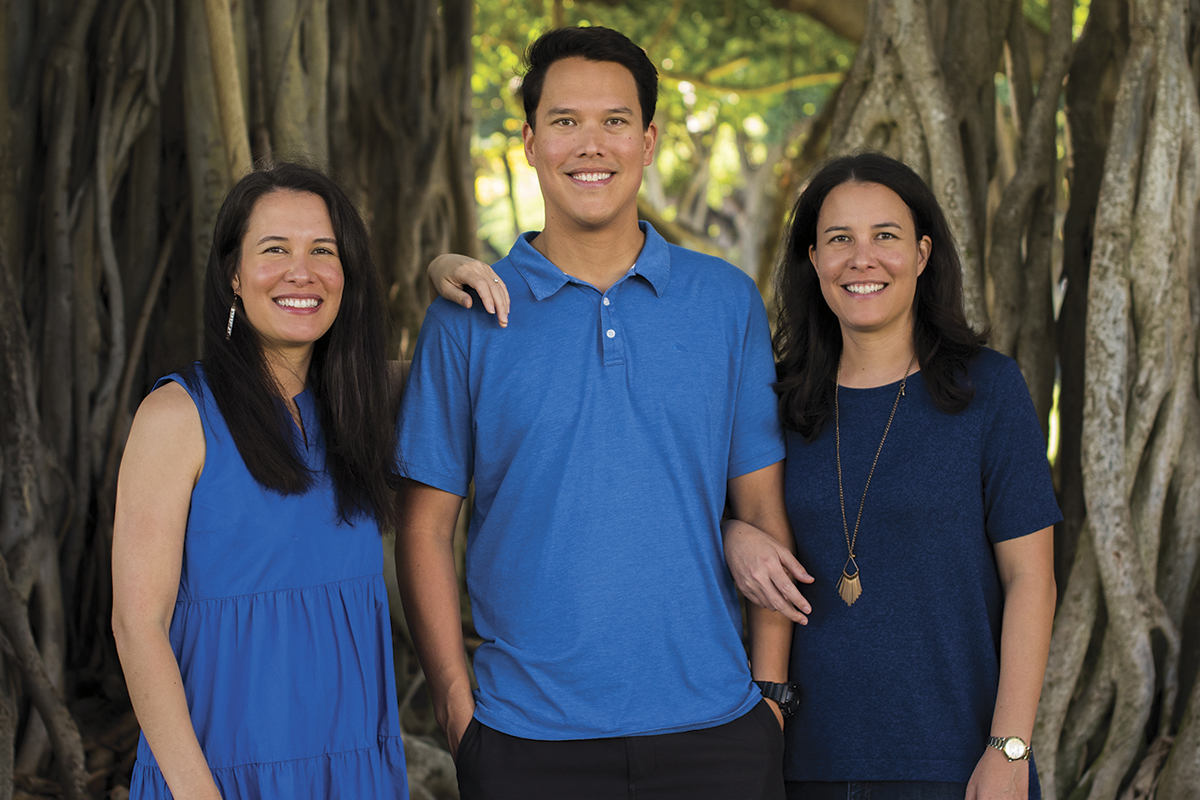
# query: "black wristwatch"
{"type": "Point", "coordinates": [787, 695]}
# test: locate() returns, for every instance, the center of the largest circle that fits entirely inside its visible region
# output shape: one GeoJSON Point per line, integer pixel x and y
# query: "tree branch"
{"type": "Point", "coordinates": [1073, 626]}
{"type": "Point", "coordinates": [797, 82]}
{"type": "Point", "coordinates": [1034, 170]}
{"type": "Point", "coordinates": [846, 18]}
{"type": "Point", "coordinates": [948, 171]}
{"type": "Point", "coordinates": [68, 745]}
{"type": "Point", "coordinates": [229, 89]}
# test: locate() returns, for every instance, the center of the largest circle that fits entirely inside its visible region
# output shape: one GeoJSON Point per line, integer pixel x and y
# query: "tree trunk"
{"type": "Point", "coordinates": [113, 148]}
{"type": "Point", "coordinates": [1139, 387]}
{"type": "Point", "coordinates": [97, 184]}
{"type": "Point", "coordinates": [208, 166]}
{"type": "Point", "coordinates": [1089, 115]}
{"type": "Point", "coordinates": [228, 83]}
{"type": "Point", "coordinates": [896, 100]}
{"type": "Point", "coordinates": [296, 64]}
{"type": "Point", "coordinates": [1128, 404]}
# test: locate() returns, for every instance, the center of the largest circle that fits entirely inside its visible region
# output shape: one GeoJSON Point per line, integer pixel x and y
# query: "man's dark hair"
{"type": "Point", "coordinates": [594, 43]}
{"type": "Point", "coordinates": [348, 375]}
{"type": "Point", "coordinates": [808, 337]}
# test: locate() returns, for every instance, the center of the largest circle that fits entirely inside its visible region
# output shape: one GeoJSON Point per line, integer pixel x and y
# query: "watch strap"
{"type": "Point", "coordinates": [786, 695]}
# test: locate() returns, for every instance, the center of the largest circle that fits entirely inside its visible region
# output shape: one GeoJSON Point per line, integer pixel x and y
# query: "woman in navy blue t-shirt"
{"type": "Point", "coordinates": [921, 499]}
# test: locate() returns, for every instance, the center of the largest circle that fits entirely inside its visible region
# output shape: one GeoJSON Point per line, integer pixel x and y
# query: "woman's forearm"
{"type": "Point", "coordinates": [1024, 647]}
{"type": "Point", "coordinates": [156, 690]}
{"type": "Point", "coordinates": [149, 528]}
{"type": "Point", "coordinates": [1029, 600]}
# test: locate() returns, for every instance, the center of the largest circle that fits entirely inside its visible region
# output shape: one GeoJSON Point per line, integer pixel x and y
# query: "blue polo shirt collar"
{"type": "Point", "coordinates": [544, 278]}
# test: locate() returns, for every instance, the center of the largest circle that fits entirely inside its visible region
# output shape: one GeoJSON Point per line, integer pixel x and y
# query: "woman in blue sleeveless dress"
{"type": "Point", "coordinates": [249, 606]}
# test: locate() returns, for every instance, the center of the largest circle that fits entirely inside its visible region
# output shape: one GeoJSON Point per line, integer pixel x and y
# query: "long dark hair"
{"type": "Point", "coordinates": [808, 338]}
{"type": "Point", "coordinates": [348, 374]}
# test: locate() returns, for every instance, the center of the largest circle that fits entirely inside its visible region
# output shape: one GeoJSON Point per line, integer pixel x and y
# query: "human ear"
{"type": "Point", "coordinates": [649, 140]}
{"type": "Point", "coordinates": [527, 138]}
{"type": "Point", "coordinates": [924, 248]}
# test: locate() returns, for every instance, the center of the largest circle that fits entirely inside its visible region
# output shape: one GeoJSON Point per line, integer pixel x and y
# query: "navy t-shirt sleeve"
{"type": "Point", "coordinates": [1018, 493]}
{"type": "Point", "coordinates": [435, 444]}
{"type": "Point", "coordinates": [757, 439]}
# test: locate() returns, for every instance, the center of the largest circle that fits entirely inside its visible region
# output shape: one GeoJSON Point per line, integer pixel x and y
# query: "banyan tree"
{"type": "Point", "coordinates": [1061, 136]}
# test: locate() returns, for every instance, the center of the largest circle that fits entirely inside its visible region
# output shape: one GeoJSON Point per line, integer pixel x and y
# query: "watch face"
{"type": "Point", "coordinates": [1014, 748]}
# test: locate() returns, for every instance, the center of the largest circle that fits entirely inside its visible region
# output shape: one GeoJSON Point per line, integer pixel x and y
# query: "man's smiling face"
{"type": "Point", "coordinates": [589, 146]}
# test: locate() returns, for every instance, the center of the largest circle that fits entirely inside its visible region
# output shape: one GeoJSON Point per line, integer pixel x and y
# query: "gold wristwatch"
{"type": "Point", "coordinates": [1013, 747]}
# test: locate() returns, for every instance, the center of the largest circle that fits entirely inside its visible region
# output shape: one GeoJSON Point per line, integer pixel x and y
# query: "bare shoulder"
{"type": "Point", "coordinates": [169, 401]}
{"type": "Point", "coordinates": [163, 459]}
{"type": "Point", "coordinates": [167, 426]}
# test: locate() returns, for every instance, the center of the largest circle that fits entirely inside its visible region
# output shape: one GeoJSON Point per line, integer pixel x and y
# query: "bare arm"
{"type": "Point", "coordinates": [429, 588]}
{"type": "Point", "coordinates": [1026, 566]}
{"type": "Point", "coordinates": [450, 274]}
{"type": "Point", "coordinates": [163, 459]}
{"type": "Point", "coordinates": [757, 498]}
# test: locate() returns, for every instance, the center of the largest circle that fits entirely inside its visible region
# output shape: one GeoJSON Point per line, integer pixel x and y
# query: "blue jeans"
{"type": "Point", "coordinates": [875, 790]}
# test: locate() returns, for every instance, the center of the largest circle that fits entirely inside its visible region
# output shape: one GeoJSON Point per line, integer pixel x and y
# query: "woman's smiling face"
{"type": "Point", "coordinates": [289, 275]}
{"type": "Point", "coordinates": [867, 257]}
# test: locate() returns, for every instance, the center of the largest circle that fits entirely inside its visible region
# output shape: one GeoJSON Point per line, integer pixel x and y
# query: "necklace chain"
{"type": "Point", "coordinates": [851, 541]}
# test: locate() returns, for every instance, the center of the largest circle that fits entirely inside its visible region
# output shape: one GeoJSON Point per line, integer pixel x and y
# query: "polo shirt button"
{"type": "Point", "coordinates": [610, 333]}
{"type": "Point", "coordinates": [606, 301]}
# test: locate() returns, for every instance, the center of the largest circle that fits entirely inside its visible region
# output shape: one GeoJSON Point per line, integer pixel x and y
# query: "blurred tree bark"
{"type": "Point", "coordinates": [122, 127]}
{"type": "Point", "coordinates": [1120, 710]}
{"type": "Point", "coordinates": [115, 142]}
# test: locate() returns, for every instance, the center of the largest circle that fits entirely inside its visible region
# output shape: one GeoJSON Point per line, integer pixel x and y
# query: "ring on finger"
{"type": "Point", "coordinates": [495, 280]}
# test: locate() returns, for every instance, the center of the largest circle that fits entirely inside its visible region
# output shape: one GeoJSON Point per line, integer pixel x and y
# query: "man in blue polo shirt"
{"type": "Point", "coordinates": [629, 397]}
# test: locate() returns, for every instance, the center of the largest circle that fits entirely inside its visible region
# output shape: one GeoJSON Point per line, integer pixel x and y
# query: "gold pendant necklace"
{"type": "Point", "coordinates": [849, 587]}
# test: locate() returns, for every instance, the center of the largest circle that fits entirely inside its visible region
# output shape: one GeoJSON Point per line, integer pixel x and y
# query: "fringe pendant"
{"type": "Point", "coordinates": [849, 587]}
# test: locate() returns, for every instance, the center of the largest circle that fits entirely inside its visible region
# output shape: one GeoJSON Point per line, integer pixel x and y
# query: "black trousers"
{"type": "Point", "coordinates": [740, 760]}
{"type": "Point", "coordinates": [876, 790]}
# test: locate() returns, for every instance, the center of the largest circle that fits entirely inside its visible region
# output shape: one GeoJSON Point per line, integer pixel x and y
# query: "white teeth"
{"type": "Point", "coordinates": [591, 177]}
{"type": "Point", "coordinates": [290, 302]}
{"type": "Point", "coordinates": [864, 288]}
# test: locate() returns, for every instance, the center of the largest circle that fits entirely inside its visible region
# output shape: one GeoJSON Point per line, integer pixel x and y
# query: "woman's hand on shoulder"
{"type": "Point", "coordinates": [764, 570]}
{"type": "Point", "coordinates": [450, 275]}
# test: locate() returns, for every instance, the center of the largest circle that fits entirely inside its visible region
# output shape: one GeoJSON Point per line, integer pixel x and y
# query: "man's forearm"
{"type": "Point", "coordinates": [757, 499]}
{"type": "Point", "coordinates": [429, 588]}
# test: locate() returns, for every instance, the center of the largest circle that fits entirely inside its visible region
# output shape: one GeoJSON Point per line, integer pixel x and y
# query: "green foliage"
{"type": "Point", "coordinates": [734, 74]}
{"type": "Point", "coordinates": [1038, 14]}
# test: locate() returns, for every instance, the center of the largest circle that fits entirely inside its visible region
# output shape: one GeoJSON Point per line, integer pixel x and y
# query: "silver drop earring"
{"type": "Point", "coordinates": [232, 314]}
